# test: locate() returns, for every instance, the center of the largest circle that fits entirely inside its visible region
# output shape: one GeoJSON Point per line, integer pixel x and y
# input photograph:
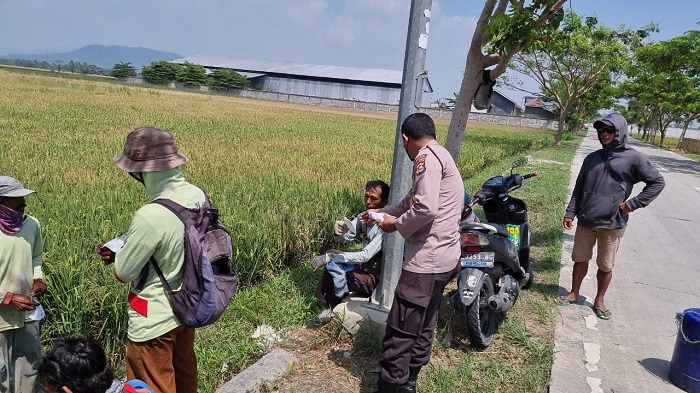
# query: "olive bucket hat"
{"type": "Point", "coordinates": [149, 149]}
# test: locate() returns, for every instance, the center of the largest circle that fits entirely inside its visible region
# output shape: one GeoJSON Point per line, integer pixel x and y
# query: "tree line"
{"type": "Point", "coordinates": [189, 74]}
{"type": "Point", "coordinates": [157, 72]}
{"type": "Point", "coordinates": [581, 66]}
{"type": "Point", "coordinates": [58, 65]}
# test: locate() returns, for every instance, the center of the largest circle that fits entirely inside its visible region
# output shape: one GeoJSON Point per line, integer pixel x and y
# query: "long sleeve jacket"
{"type": "Point", "coordinates": [155, 232]}
{"type": "Point", "coordinates": [20, 264]}
{"type": "Point", "coordinates": [599, 191]}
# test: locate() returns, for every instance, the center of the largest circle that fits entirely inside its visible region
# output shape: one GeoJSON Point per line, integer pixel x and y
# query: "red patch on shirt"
{"type": "Point", "coordinates": [138, 304]}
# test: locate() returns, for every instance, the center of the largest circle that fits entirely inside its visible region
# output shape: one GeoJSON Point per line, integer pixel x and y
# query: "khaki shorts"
{"type": "Point", "coordinates": [608, 242]}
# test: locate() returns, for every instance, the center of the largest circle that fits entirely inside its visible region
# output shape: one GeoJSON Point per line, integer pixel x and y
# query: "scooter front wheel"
{"type": "Point", "coordinates": [481, 319]}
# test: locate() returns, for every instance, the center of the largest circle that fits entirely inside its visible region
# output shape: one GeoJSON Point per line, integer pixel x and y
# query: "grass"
{"type": "Point", "coordinates": [280, 175]}
{"type": "Point", "coordinates": [520, 357]}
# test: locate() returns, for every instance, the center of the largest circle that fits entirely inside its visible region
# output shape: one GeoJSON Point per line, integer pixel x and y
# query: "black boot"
{"type": "Point", "coordinates": [410, 385]}
{"type": "Point", "coordinates": [385, 387]}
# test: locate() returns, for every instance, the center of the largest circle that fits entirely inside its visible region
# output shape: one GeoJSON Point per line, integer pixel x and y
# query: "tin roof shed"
{"type": "Point", "coordinates": [257, 66]}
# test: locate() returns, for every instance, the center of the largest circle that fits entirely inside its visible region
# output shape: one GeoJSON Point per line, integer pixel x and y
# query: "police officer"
{"type": "Point", "coordinates": [428, 218]}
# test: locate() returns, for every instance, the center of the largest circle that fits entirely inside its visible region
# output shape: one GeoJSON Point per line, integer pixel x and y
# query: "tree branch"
{"type": "Point", "coordinates": [501, 8]}
{"type": "Point", "coordinates": [480, 37]}
{"type": "Point", "coordinates": [548, 14]}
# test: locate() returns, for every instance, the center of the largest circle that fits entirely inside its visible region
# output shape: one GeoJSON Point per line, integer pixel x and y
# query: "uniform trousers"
{"type": "Point", "coordinates": [167, 363]}
{"type": "Point", "coordinates": [20, 354]}
{"type": "Point", "coordinates": [411, 323]}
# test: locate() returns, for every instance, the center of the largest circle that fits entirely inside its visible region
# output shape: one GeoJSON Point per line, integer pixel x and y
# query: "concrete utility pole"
{"type": "Point", "coordinates": [410, 102]}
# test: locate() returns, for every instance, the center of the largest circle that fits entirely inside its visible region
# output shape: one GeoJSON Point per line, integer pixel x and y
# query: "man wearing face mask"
{"type": "Point", "coordinates": [21, 279]}
{"type": "Point", "coordinates": [601, 202]}
{"type": "Point", "coordinates": [160, 349]}
{"type": "Point", "coordinates": [428, 218]}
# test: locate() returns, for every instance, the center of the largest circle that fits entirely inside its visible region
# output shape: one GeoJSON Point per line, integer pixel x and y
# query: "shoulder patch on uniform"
{"type": "Point", "coordinates": [420, 164]}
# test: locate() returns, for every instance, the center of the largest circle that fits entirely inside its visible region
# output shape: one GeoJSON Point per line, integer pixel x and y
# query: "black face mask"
{"type": "Point", "coordinates": [138, 176]}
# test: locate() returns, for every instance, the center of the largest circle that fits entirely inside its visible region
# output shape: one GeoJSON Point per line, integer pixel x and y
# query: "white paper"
{"type": "Point", "coordinates": [350, 225]}
{"type": "Point", "coordinates": [38, 313]}
{"type": "Point", "coordinates": [115, 244]}
{"type": "Point", "coordinates": [423, 41]}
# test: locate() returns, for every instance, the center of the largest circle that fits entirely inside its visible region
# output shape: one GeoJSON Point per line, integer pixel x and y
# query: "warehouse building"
{"type": "Point", "coordinates": [312, 80]}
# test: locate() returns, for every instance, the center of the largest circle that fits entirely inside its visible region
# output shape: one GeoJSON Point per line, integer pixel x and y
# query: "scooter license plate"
{"type": "Point", "coordinates": [477, 259]}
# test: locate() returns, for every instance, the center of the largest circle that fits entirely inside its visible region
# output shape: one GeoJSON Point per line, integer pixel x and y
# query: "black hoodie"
{"type": "Point", "coordinates": [597, 193]}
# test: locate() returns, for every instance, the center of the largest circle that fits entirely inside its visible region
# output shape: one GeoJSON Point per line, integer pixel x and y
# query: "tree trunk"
{"type": "Point", "coordinates": [560, 128]}
{"type": "Point", "coordinates": [685, 128]}
{"type": "Point", "coordinates": [460, 114]}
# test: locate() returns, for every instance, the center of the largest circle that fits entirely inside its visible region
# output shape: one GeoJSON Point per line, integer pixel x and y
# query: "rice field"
{"type": "Point", "coordinates": [279, 175]}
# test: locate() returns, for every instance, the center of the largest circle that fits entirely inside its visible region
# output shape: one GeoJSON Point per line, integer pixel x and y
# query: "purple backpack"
{"type": "Point", "coordinates": [208, 281]}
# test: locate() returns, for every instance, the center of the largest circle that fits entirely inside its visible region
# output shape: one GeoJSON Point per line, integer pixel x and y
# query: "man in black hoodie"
{"type": "Point", "coordinates": [601, 202]}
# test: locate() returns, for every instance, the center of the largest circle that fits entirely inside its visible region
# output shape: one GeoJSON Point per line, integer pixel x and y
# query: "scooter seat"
{"type": "Point", "coordinates": [484, 227]}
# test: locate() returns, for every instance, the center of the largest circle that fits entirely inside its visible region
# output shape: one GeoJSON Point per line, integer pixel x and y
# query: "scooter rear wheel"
{"type": "Point", "coordinates": [481, 319]}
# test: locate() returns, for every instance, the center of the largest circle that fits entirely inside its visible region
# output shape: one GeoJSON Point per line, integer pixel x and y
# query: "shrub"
{"type": "Point", "coordinates": [160, 72]}
{"type": "Point", "coordinates": [226, 78]}
{"type": "Point", "coordinates": [123, 70]}
{"type": "Point", "coordinates": [192, 74]}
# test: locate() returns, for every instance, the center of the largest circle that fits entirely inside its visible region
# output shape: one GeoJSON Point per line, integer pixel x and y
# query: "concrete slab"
{"type": "Point", "coordinates": [357, 313]}
{"type": "Point", "coordinates": [266, 371]}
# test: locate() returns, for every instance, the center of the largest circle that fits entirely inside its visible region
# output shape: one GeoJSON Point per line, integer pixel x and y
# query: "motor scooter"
{"type": "Point", "coordinates": [495, 257]}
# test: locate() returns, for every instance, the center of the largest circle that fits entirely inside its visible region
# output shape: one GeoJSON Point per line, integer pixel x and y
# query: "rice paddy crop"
{"type": "Point", "coordinates": [279, 175]}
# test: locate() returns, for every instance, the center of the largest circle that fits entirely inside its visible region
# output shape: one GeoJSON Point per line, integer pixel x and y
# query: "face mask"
{"type": "Point", "coordinates": [11, 221]}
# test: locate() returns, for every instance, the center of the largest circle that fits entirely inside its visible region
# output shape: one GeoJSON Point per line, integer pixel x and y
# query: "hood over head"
{"type": "Point", "coordinates": [618, 121]}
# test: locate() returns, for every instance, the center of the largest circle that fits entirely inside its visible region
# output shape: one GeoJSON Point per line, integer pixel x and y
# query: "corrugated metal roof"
{"type": "Point", "coordinates": [291, 68]}
{"type": "Point", "coordinates": [508, 98]}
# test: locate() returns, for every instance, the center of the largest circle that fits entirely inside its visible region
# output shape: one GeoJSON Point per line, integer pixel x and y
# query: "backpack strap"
{"type": "Point", "coordinates": [179, 211]}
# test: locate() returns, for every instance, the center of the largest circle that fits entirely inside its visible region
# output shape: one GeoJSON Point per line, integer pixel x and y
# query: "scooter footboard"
{"type": "Point", "coordinates": [468, 285]}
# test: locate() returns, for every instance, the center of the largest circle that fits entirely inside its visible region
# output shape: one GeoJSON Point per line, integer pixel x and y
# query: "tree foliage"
{"type": "Point", "coordinates": [580, 60]}
{"type": "Point", "coordinates": [123, 70]}
{"type": "Point", "coordinates": [191, 74]}
{"type": "Point", "coordinates": [226, 78]}
{"type": "Point", "coordinates": [160, 72]}
{"type": "Point", "coordinates": [663, 84]}
{"type": "Point", "coordinates": [505, 27]}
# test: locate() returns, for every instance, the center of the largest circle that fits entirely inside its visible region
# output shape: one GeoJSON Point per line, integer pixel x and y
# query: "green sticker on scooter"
{"type": "Point", "coordinates": [514, 234]}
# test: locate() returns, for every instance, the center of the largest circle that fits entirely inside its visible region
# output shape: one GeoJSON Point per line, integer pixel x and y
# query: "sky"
{"type": "Point", "coordinates": [352, 33]}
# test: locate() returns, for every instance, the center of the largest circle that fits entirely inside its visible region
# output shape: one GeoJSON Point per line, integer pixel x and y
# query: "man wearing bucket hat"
{"type": "Point", "coordinates": [602, 203]}
{"type": "Point", "coordinates": [160, 349]}
{"type": "Point", "coordinates": [21, 279]}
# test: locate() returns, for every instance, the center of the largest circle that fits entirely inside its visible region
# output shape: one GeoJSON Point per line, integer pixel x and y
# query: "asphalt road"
{"type": "Point", "coordinates": [656, 275]}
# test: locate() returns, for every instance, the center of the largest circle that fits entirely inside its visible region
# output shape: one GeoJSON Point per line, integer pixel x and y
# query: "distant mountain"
{"type": "Point", "coordinates": [103, 56]}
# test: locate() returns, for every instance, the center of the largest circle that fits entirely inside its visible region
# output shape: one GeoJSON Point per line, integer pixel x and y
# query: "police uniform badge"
{"type": "Point", "coordinates": [420, 164]}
